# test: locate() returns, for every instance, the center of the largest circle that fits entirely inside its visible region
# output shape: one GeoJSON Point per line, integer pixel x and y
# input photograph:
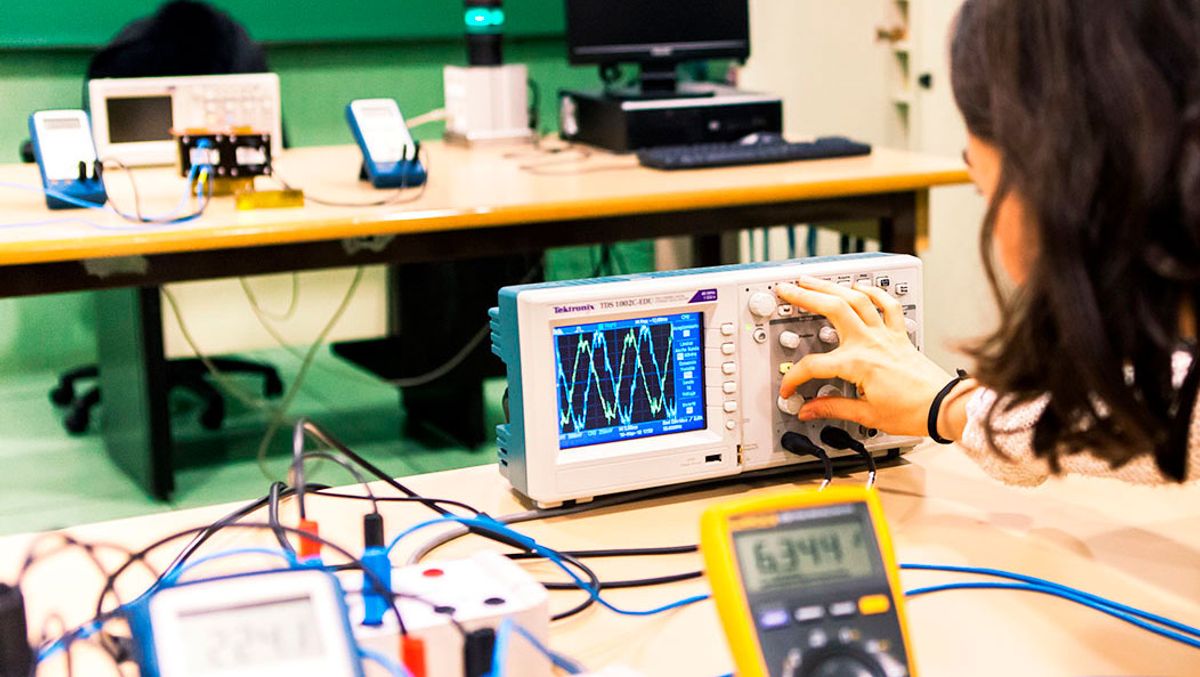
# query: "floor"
{"type": "Point", "coordinates": [52, 479]}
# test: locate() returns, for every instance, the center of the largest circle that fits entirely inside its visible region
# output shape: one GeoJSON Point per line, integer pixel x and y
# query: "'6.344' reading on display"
{"type": "Point", "coordinates": [810, 553]}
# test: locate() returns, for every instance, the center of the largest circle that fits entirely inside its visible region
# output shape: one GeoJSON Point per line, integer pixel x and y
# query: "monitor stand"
{"type": "Point", "coordinates": [657, 82]}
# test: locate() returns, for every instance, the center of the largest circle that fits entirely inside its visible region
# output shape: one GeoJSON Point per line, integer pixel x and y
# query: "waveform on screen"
{"type": "Point", "coordinates": [616, 377]}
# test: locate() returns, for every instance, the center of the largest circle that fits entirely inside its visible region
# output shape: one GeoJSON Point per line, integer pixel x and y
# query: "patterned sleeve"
{"type": "Point", "coordinates": [1012, 460]}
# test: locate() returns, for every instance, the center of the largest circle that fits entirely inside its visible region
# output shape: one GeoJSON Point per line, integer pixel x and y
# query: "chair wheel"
{"type": "Point", "coordinates": [76, 421]}
{"type": "Point", "coordinates": [62, 394]}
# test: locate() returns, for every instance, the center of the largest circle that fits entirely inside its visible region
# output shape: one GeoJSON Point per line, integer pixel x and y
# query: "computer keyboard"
{"type": "Point", "coordinates": [759, 150]}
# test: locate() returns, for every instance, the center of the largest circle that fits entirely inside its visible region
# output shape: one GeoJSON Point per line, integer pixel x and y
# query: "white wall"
{"type": "Point", "coordinates": [836, 78]}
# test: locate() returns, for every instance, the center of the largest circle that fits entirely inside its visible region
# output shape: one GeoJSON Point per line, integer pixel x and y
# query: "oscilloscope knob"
{"type": "Point", "coordinates": [910, 326]}
{"type": "Point", "coordinates": [790, 405]}
{"type": "Point", "coordinates": [762, 304]}
{"type": "Point", "coordinates": [829, 390]}
{"type": "Point", "coordinates": [789, 340]}
{"type": "Point", "coordinates": [829, 335]}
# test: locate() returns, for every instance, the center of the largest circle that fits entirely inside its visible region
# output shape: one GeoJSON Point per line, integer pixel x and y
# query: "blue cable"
{"type": "Point", "coordinates": [1034, 580]}
{"type": "Point", "coordinates": [1064, 594]}
{"type": "Point", "coordinates": [82, 632]}
{"type": "Point", "coordinates": [395, 668]}
{"type": "Point", "coordinates": [490, 525]}
{"type": "Point", "coordinates": [173, 575]}
{"type": "Point", "coordinates": [504, 637]}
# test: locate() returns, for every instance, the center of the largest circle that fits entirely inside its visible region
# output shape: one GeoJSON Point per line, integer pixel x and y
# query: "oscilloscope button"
{"type": "Point", "coordinates": [729, 387]}
{"type": "Point", "coordinates": [762, 304]}
{"type": "Point", "coordinates": [731, 406]}
{"type": "Point", "coordinates": [727, 329]}
{"type": "Point", "coordinates": [829, 335]}
{"type": "Point", "coordinates": [729, 368]}
{"type": "Point", "coordinates": [730, 424]}
{"type": "Point", "coordinates": [728, 348]}
{"type": "Point", "coordinates": [789, 340]}
{"type": "Point", "coordinates": [910, 326]}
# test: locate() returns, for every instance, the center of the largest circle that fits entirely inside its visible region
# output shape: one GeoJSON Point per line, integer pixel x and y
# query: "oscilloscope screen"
{"type": "Point", "coordinates": [628, 379]}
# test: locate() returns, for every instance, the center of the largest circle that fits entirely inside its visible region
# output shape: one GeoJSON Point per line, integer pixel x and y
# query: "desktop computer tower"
{"type": "Point", "coordinates": [705, 113]}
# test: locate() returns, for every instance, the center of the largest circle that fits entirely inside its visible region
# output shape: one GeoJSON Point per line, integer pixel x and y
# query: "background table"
{"type": "Point", "coordinates": [1138, 545]}
{"type": "Point", "coordinates": [486, 202]}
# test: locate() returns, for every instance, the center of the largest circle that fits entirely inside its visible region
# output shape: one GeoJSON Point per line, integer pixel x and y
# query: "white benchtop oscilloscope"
{"type": "Point", "coordinates": [631, 382]}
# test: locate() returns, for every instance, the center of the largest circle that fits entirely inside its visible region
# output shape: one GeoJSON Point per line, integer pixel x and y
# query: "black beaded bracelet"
{"type": "Point", "coordinates": [935, 408]}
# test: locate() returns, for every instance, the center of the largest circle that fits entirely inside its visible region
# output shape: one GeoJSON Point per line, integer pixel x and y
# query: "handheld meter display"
{"type": "Point", "coordinates": [638, 381]}
{"type": "Point", "coordinates": [806, 585]}
{"type": "Point", "coordinates": [389, 152]}
{"type": "Point", "coordinates": [274, 624]}
{"type": "Point", "coordinates": [66, 157]}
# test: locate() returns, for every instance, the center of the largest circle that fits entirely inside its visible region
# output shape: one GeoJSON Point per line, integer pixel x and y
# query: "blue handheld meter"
{"type": "Point", "coordinates": [389, 151]}
{"type": "Point", "coordinates": [66, 158]}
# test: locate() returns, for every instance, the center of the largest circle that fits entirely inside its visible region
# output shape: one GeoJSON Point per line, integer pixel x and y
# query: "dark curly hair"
{"type": "Point", "coordinates": [1094, 107]}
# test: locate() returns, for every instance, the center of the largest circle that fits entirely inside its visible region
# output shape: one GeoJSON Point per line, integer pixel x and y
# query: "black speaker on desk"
{"type": "Point", "coordinates": [437, 310]}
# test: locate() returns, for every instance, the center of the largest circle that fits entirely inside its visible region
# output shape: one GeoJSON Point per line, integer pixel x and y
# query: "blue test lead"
{"type": "Point", "coordinates": [375, 561]}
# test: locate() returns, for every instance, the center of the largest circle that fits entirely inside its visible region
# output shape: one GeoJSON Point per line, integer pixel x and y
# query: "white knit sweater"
{"type": "Point", "coordinates": [1017, 464]}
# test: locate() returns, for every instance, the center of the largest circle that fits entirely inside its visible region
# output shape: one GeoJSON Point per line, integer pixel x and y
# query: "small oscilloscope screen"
{"type": "Point", "coordinates": [628, 379]}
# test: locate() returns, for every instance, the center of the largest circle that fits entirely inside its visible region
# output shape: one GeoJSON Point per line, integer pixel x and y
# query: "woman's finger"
{"type": "Point", "coordinates": [812, 367]}
{"type": "Point", "coordinates": [838, 409]}
{"type": "Point", "coordinates": [862, 304]}
{"type": "Point", "coordinates": [892, 309]}
{"type": "Point", "coordinates": [834, 308]}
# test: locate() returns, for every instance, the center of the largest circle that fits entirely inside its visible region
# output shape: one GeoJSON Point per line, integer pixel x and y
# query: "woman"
{"type": "Point", "coordinates": [1084, 136]}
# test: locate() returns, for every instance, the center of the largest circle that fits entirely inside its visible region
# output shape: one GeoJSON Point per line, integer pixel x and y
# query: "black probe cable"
{"type": "Point", "coordinates": [840, 439]}
{"type": "Point", "coordinates": [800, 445]}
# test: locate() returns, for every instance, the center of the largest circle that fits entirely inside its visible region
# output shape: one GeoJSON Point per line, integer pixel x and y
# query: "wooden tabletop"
{"type": "Point", "coordinates": [468, 189]}
{"type": "Point", "coordinates": [1138, 545]}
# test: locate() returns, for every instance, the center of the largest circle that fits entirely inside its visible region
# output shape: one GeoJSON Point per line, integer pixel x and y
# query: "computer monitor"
{"type": "Point", "coordinates": [657, 34]}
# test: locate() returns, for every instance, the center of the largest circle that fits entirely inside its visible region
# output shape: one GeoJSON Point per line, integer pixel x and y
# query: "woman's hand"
{"type": "Point", "coordinates": [896, 382]}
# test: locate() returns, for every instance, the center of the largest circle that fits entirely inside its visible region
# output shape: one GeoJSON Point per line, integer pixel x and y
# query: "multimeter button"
{"type": "Point", "coordinates": [842, 609]}
{"type": "Point", "coordinates": [817, 638]}
{"type": "Point", "coordinates": [728, 348]}
{"type": "Point", "coordinates": [727, 329]}
{"type": "Point", "coordinates": [873, 605]}
{"type": "Point", "coordinates": [809, 613]}
{"type": "Point", "coordinates": [731, 406]}
{"type": "Point", "coordinates": [762, 304]}
{"type": "Point", "coordinates": [729, 387]}
{"type": "Point", "coordinates": [849, 635]}
{"type": "Point", "coordinates": [877, 646]}
{"type": "Point", "coordinates": [772, 619]}
{"type": "Point", "coordinates": [729, 368]}
{"type": "Point", "coordinates": [789, 340]}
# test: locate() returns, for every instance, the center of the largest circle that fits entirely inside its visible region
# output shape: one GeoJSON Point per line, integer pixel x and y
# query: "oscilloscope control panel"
{"type": "Point", "coordinates": [637, 381]}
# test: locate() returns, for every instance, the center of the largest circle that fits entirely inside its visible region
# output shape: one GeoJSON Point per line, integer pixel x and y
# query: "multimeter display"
{"type": "Point", "coordinates": [278, 632]}
{"type": "Point", "coordinates": [808, 553]}
{"type": "Point", "coordinates": [628, 379]}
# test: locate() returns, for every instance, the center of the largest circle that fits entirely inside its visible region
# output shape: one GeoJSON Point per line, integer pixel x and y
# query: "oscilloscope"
{"type": "Point", "coordinates": [637, 381]}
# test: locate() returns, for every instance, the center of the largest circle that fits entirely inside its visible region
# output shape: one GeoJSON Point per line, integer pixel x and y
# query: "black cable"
{"type": "Point", "coordinates": [800, 445]}
{"type": "Point", "coordinates": [390, 200]}
{"type": "Point", "coordinates": [273, 517]}
{"type": "Point", "coordinates": [371, 577]}
{"type": "Point", "coordinates": [633, 583]}
{"type": "Point", "coordinates": [617, 552]}
{"type": "Point", "coordinates": [840, 439]}
{"type": "Point", "coordinates": [395, 499]}
{"type": "Point", "coordinates": [593, 580]}
{"type": "Point", "coordinates": [137, 216]}
{"type": "Point", "coordinates": [358, 477]}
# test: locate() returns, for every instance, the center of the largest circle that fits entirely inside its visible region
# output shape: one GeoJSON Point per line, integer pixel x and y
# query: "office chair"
{"type": "Point", "coordinates": [182, 38]}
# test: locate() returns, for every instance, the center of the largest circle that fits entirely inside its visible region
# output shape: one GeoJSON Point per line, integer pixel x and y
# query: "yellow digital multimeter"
{"type": "Point", "coordinates": [806, 585]}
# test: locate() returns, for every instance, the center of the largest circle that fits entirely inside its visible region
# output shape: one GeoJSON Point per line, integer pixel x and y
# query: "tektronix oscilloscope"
{"type": "Point", "coordinates": [639, 381]}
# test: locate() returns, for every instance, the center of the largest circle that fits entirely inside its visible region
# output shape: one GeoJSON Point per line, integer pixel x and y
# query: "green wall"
{"type": "Point", "coordinates": [317, 81]}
